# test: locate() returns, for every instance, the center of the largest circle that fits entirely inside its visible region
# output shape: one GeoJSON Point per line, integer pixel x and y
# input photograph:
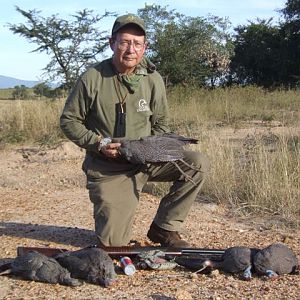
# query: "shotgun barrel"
{"type": "Point", "coordinates": [202, 253]}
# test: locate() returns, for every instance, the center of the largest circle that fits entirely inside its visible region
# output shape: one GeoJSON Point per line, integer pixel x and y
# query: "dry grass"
{"type": "Point", "coordinates": [6, 93]}
{"type": "Point", "coordinates": [29, 121]}
{"type": "Point", "coordinates": [258, 173]}
{"type": "Point", "coordinates": [232, 105]}
{"type": "Point", "coordinates": [258, 176]}
{"type": "Point", "coordinates": [254, 173]}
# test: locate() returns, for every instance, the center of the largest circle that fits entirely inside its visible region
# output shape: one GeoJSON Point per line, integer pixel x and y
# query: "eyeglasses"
{"type": "Point", "coordinates": [124, 45]}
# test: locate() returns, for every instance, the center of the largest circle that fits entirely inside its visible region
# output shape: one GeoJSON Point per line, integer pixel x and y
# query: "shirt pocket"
{"type": "Point", "coordinates": [141, 124]}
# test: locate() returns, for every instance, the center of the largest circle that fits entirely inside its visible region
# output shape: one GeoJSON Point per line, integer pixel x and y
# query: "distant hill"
{"type": "Point", "coordinates": [10, 82]}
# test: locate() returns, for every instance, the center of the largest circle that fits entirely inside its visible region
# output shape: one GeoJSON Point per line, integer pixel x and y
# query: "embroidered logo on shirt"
{"type": "Point", "coordinates": [143, 106]}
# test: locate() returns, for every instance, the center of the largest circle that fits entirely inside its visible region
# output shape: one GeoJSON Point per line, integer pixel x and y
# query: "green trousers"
{"type": "Point", "coordinates": [114, 187]}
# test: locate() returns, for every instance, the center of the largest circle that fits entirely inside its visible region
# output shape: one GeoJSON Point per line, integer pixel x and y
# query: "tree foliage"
{"type": "Point", "coordinates": [72, 45]}
{"type": "Point", "coordinates": [42, 90]}
{"type": "Point", "coordinates": [20, 92]}
{"type": "Point", "coordinates": [187, 49]}
{"type": "Point", "coordinates": [257, 54]}
{"type": "Point", "coordinates": [291, 11]}
{"type": "Point", "coordinates": [269, 55]}
{"type": "Point", "coordinates": [290, 36]}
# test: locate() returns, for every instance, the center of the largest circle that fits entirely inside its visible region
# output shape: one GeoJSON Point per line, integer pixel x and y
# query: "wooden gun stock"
{"type": "Point", "coordinates": [116, 252]}
{"type": "Point", "coordinates": [43, 250]}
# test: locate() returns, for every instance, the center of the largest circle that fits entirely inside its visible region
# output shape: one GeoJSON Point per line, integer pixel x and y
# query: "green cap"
{"type": "Point", "coordinates": [128, 19]}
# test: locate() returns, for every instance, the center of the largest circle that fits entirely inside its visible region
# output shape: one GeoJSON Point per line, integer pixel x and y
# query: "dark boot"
{"type": "Point", "coordinates": [166, 238]}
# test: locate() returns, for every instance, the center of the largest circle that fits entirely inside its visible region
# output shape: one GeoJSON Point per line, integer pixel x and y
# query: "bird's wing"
{"type": "Point", "coordinates": [73, 263]}
{"type": "Point", "coordinates": [155, 148]}
{"type": "Point", "coordinates": [30, 261]}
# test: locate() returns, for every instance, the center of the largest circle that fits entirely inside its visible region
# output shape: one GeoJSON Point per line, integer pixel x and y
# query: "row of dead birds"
{"type": "Point", "coordinates": [91, 264]}
{"type": "Point", "coordinates": [272, 261]}
{"type": "Point", "coordinates": [95, 266]}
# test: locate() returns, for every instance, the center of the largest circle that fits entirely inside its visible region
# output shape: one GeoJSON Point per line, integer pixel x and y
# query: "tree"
{"type": "Point", "coordinates": [256, 57]}
{"type": "Point", "coordinates": [269, 55]}
{"type": "Point", "coordinates": [157, 18]}
{"type": "Point", "coordinates": [42, 89]}
{"type": "Point", "coordinates": [189, 50]}
{"type": "Point", "coordinates": [73, 45]}
{"type": "Point", "coordinates": [291, 11]}
{"type": "Point", "coordinates": [290, 35]}
{"type": "Point", "coordinates": [20, 92]}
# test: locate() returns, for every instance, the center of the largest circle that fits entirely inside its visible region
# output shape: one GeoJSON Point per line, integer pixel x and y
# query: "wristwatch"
{"type": "Point", "coordinates": [103, 142]}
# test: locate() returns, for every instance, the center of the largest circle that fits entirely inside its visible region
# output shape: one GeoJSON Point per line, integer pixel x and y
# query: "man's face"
{"type": "Point", "coordinates": [128, 47]}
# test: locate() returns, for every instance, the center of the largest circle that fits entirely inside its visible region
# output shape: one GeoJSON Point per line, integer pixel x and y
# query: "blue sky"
{"type": "Point", "coordinates": [17, 60]}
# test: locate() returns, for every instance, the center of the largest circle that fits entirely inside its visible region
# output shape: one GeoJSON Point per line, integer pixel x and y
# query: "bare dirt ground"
{"type": "Point", "coordinates": [44, 203]}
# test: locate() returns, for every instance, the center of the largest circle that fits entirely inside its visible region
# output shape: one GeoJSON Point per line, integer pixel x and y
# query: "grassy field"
{"type": "Point", "coordinates": [230, 106]}
{"type": "Point", "coordinates": [252, 138]}
{"type": "Point", "coordinates": [7, 94]}
{"type": "Point", "coordinates": [30, 121]}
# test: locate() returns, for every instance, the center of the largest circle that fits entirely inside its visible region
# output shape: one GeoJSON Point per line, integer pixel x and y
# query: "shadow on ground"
{"type": "Point", "coordinates": [73, 236]}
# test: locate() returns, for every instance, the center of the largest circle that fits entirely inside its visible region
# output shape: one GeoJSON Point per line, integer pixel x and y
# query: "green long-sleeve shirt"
{"type": "Point", "coordinates": [90, 110]}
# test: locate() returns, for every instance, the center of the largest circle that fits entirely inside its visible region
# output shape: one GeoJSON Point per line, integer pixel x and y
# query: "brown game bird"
{"type": "Point", "coordinates": [38, 267]}
{"type": "Point", "coordinates": [91, 264]}
{"type": "Point", "coordinates": [274, 260]}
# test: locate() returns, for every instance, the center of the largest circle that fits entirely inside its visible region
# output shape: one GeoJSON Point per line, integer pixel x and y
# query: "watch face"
{"type": "Point", "coordinates": [103, 142]}
{"type": "Point", "coordinates": [107, 140]}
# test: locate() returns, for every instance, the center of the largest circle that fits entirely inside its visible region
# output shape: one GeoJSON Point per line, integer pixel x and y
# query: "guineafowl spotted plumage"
{"type": "Point", "coordinates": [38, 267]}
{"type": "Point", "coordinates": [274, 260]}
{"type": "Point", "coordinates": [166, 147]}
{"type": "Point", "coordinates": [91, 264]}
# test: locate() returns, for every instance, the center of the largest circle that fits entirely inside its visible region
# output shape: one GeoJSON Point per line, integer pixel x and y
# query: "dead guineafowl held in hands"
{"type": "Point", "coordinates": [38, 267]}
{"type": "Point", "coordinates": [274, 260]}
{"type": "Point", "coordinates": [91, 264]}
{"type": "Point", "coordinates": [166, 147]}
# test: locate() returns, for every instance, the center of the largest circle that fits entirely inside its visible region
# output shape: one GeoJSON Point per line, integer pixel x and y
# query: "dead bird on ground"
{"type": "Point", "coordinates": [38, 267]}
{"type": "Point", "coordinates": [275, 260]}
{"type": "Point", "coordinates": [91, 264]}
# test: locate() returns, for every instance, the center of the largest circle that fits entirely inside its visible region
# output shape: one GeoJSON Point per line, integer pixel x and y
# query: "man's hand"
{"type": "Point", "coordinates": [111, 150]}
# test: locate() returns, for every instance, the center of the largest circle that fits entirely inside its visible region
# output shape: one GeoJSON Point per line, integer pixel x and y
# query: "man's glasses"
{"type": "Point", "coordinates": [124, 45]}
